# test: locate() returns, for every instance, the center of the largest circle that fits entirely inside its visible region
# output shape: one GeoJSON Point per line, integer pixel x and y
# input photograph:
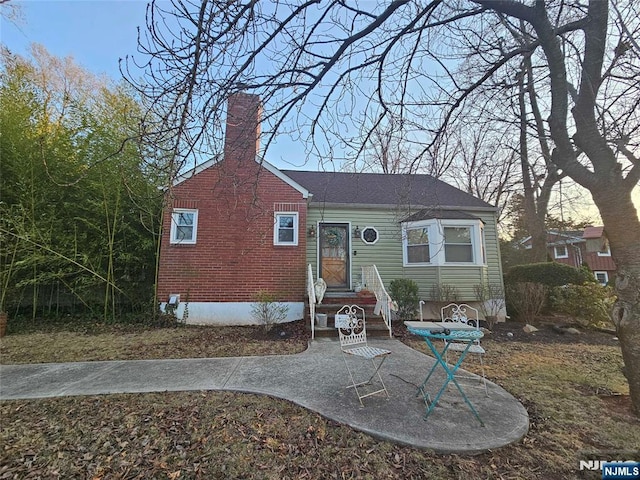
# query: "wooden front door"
{"type": "Point", "coordinates": [334, 254]}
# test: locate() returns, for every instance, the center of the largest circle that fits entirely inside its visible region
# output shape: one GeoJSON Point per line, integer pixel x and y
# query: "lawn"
{"type": "Point", "coordinates": [572, 387]}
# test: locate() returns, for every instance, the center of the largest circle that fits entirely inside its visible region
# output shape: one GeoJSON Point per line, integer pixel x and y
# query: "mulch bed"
{"type": "Point", "coordinates": [548, 332]}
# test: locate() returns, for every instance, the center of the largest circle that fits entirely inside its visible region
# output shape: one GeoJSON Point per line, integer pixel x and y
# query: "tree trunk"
{"type": "Point", "coordinates": [622, 228]}
{"type": "Point", "coordinates": [538, 241]}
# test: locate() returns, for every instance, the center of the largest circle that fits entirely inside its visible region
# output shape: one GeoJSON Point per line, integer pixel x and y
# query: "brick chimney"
{"type": "Point", "coordinates": [242, 136]}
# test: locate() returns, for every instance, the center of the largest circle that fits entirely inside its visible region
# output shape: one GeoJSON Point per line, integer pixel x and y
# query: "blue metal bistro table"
{"type": "Point", "coordinates": [454, 331]}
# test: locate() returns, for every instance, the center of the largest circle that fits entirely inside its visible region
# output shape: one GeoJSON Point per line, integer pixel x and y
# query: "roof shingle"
{"type": "Point", "coordinates": [383, 189]}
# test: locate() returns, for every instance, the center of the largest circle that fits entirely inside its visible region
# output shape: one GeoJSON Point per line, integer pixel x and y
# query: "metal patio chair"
{"type": "Point", "coordinates": [351, 324]}
{"type": "Point", "coordinates": [464, 313]}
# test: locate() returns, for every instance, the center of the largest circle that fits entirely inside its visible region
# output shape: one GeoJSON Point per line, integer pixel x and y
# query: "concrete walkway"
{"type": "Point", "coordinates": [314, 379]}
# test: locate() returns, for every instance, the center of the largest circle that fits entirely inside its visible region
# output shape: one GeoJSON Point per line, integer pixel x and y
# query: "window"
{"type": "Point", "coordinates": [602, 277]}
{"type": "Point", "coordinates": [369, 235]}
{"type": "Point", "coordinates": [458, 247]}
{"type": "Point", "coordinates": [604, 251]}
{"type": "Point", "coordinates": [184, 226]}
{"type": "Point", "coordinates": [417, 241]}
{"type": "Point", "coordinates": [561, 251]}
{"type": "Point", "coordinates": [443, 242]}
{"type": "Point", "coordinates": [285, 231]}
{"type": "Point", "coordinates": [483, 245]}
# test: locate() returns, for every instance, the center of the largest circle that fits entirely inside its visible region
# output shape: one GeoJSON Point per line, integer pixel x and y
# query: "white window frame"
{"type": "Point", "coordinates": [276, 228]}
{"type": "Point", "coordinates": [557, 255]}
{"type": "Point", "coordinates": [483, 245]}
{"type": "Point", "coordinates": [174, 226]}
{"type": "Point", "coordinates": [405, 238]}
{"type": "Point", "coordinates": [606, 276]}
{"type": "Point", "coordinates": [605, 253]}
{"type": "Point", "coordinates": [436, 241]}
{"type": "Point", "coordinates": [363, 239]}
{"type": "Point", "coordinates": [469, 245]}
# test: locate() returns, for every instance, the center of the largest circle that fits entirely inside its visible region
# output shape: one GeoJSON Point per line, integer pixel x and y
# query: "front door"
{"type": "Point", "coordinates": [334, 254]}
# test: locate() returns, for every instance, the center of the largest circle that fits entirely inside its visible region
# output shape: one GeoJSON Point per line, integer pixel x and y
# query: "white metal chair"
{"type": "Point", "coordinates": [464, 313]}
{"type": "Point", "coordinates": [351, 325]}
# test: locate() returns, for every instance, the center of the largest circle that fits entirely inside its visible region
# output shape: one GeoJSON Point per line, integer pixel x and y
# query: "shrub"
{"type": "Point", "coordinates": [552, 274]}
{"type": "Point", "coordinates": [491, 299]}
{"type": "Point", "coordinates": [526, 299]}
{"type": "Point", "coordinates": [404, 292]}
{"type": "Point", "coordinates": [266, 311]}
{"type": "Point", "coordinates": [590, 303]}
{"type": "Point", "coordinates": [443, 293]}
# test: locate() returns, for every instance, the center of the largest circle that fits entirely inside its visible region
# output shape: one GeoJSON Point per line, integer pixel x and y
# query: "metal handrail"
{"type": "Point", "coordinates": [373, 282]}
{"type": "Point", "coordinates": [311, 292]}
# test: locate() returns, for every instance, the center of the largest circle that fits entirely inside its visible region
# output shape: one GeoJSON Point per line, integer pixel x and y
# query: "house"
{"type": "Point", "coordinates": [588, 247]}
{"type": "Point", "coordinates": [237, 226]}
{"type": "Point", "coordinates": [597, 254]}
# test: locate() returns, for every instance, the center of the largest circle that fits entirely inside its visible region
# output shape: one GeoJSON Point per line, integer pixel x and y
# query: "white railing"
{"type": "Point", "coordinates": [373, 282]}
{"type": "Point", "coordinates": [311, 292]}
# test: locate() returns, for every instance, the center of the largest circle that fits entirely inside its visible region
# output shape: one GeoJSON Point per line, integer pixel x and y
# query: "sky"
{"type": "Point", "coordinates": [97, 33]}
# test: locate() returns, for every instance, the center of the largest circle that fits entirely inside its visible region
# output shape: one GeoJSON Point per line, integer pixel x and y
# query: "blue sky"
{"type": "Point", "coordinates": [96, 33]}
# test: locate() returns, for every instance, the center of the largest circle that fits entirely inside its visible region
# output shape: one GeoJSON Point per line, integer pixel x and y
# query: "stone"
{"type": "Point", "coordinates": [529, 328]}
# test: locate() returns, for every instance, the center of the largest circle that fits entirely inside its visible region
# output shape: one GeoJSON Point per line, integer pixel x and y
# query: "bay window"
{"type": "Point", "coordinates": [457, 245]}
{"type": "Point", "coordinates": [418, 245]}
{"type": "Point", "coordinates": [443, 242]}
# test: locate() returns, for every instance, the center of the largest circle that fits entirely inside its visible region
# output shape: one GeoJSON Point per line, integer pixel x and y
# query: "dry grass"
{"type": "Point", "coordinates": [131, 343]}
{"type": "Point", "coordinates": [574, 393]}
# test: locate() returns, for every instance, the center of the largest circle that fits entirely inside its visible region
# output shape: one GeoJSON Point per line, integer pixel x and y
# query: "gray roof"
{"type": "Point", "coordinates": [430, 213]}
{"type": "Point", "coordinates": [383, 189]}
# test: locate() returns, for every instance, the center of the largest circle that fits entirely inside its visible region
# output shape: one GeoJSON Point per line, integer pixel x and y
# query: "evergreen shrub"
{"type": "Point", "coordinates": [404, 292]}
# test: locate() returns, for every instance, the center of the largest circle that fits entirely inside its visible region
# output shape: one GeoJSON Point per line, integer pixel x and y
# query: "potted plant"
{"type": "Point", "coordinates": [366, 296]}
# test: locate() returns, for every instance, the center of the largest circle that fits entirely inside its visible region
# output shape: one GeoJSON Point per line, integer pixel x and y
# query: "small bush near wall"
{"type": "Point", "coordinates": [590, 304]}
{"type": "Point", "coordinates": [266, 311]}
{"type": "Point", "coordinates": [442, 294]}
{"type": "Point", "coordinates": [404, 292]}
{"type": "Point", "coordinates": [552, 274]}
{"type": "Point", "coordinates": [526, 300]}
{"type": "Point", "coordinates": [491, 299]}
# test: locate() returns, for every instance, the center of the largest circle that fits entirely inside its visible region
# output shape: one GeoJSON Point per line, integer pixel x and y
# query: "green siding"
{"type": "Point", "coordinates": [386, 254]}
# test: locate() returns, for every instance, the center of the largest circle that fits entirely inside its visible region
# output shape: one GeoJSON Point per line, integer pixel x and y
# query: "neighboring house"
{"type": "Point", "coordinates": [238, 226]}
{"type": "Point", "coordinates": [597, 254]}
{"type": "Point", "coordinates": [581, 247]}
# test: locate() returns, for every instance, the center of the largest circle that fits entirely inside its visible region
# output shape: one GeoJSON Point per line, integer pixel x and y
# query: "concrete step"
{"type": "Point", "coordinates": [334, 301]}
{"type": "Point", "coordinates": [375, 328]}
{"type": "Point", "coordinates": [321, 332]}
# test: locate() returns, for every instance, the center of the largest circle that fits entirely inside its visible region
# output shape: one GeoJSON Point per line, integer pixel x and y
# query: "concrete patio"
{"type": "Point", "coordinates": [315, 379]}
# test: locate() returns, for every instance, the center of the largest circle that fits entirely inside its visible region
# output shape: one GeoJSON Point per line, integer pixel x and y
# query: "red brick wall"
{"type": "Point", "coordinates": [234, 256]}
{"type": "Point", "coordinates": [242, 134]}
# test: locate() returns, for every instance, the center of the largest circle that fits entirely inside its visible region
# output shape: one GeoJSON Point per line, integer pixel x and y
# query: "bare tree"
{"type": "Point", "coordinates": [483, 163]}
{"type": "Point", "coordinates": [11, 11]}
{"type": "Point", "coordinates": [325, 69]}
{"type": "Point", "coordinates": [388, 151]}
